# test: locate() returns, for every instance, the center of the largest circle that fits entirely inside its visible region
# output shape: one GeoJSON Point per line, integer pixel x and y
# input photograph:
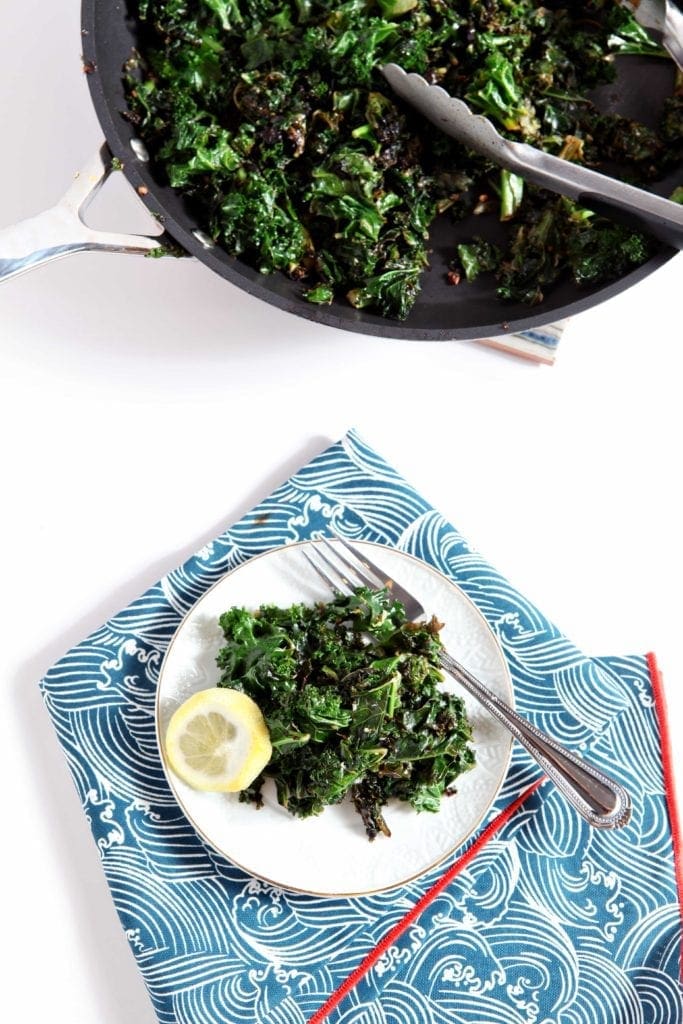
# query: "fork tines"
{"type": "Point", "coordinates": [345, 575]}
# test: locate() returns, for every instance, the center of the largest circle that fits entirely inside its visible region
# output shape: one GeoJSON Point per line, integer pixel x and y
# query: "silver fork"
{"type": "Point", "coordinates": [601, 801]}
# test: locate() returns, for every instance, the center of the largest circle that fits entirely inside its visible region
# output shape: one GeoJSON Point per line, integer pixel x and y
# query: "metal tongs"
{"type": "Point", "coordinates": [643, 210]}
{"type": "Point", "coordinates": [660, 16]}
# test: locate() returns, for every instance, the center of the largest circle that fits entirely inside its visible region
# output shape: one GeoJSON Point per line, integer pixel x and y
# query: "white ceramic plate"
{"type": "Point", "coordinates": [330, 854]}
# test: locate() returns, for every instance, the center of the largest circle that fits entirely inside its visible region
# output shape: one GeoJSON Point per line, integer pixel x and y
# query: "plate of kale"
{"type": "Point", "coordinates": [316, 187]}
{"type": "Point", "coordinates": [380, 766]}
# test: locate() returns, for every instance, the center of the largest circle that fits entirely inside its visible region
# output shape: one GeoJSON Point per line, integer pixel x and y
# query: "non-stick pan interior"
{"type": "Point", "coordinates": [466, 311]}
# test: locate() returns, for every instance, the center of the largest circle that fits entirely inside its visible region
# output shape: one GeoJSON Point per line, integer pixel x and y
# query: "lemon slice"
{"type": "Point", "coordinates": [218, 741]}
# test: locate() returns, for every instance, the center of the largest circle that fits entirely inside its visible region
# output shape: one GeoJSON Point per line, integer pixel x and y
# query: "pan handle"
{"type": "Point", "coordinates": [62, 231]}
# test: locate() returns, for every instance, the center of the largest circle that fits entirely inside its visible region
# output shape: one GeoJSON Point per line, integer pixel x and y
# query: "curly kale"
{"type": "Point", "coordinates": [273, 118]}
{"type": "Point", "coordinates": [350, 693]}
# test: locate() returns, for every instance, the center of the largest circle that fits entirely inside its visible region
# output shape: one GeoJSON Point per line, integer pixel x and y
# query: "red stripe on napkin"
{"type": "Point", "coordinates": [667, 766]}
{"type": "Point", "coordinates": [415, 911]}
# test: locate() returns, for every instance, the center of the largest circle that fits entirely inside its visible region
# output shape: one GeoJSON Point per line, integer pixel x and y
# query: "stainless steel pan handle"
{"type": "Point", "coordinates": [62, 231]}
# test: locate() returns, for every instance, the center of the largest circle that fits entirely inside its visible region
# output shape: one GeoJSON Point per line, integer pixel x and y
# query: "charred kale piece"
{"type": "Point", "coordinates": [273, 118]}
{"type": "Point", "coordinates": [350, 692]}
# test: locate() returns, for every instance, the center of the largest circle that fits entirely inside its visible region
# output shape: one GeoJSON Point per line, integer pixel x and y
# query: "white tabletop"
{"type": "Point", "coordinates": [146, 404]}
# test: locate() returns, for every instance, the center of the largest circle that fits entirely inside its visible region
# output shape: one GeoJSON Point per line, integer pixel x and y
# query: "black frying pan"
{"type": "Point", "coordinates": [442, 312]}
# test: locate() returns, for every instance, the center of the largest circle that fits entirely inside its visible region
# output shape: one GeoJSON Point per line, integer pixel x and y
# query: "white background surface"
{"type": "Point", "coordinates": [144, 405]}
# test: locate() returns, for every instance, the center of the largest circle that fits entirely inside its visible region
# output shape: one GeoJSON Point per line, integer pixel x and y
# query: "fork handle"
{"type": "Point", "coordinates": [602, 802]}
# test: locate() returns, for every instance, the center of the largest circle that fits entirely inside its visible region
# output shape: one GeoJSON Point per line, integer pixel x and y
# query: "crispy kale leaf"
{"type": "Point", "coordinates": [350, 692]}
{"type": "Point", "coordinates": [274, 120]}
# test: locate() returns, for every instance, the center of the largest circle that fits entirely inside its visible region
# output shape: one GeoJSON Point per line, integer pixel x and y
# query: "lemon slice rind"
{"type": "Point", "coordinates": [218, 741]}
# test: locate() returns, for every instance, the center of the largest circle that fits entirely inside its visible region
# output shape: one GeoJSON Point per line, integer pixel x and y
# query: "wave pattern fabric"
{"type": "Point", "coordinates": [550, 923]}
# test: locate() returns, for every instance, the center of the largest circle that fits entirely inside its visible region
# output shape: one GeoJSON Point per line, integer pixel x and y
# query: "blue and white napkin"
{"type": "Point", "coordinates": [550, 923]}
